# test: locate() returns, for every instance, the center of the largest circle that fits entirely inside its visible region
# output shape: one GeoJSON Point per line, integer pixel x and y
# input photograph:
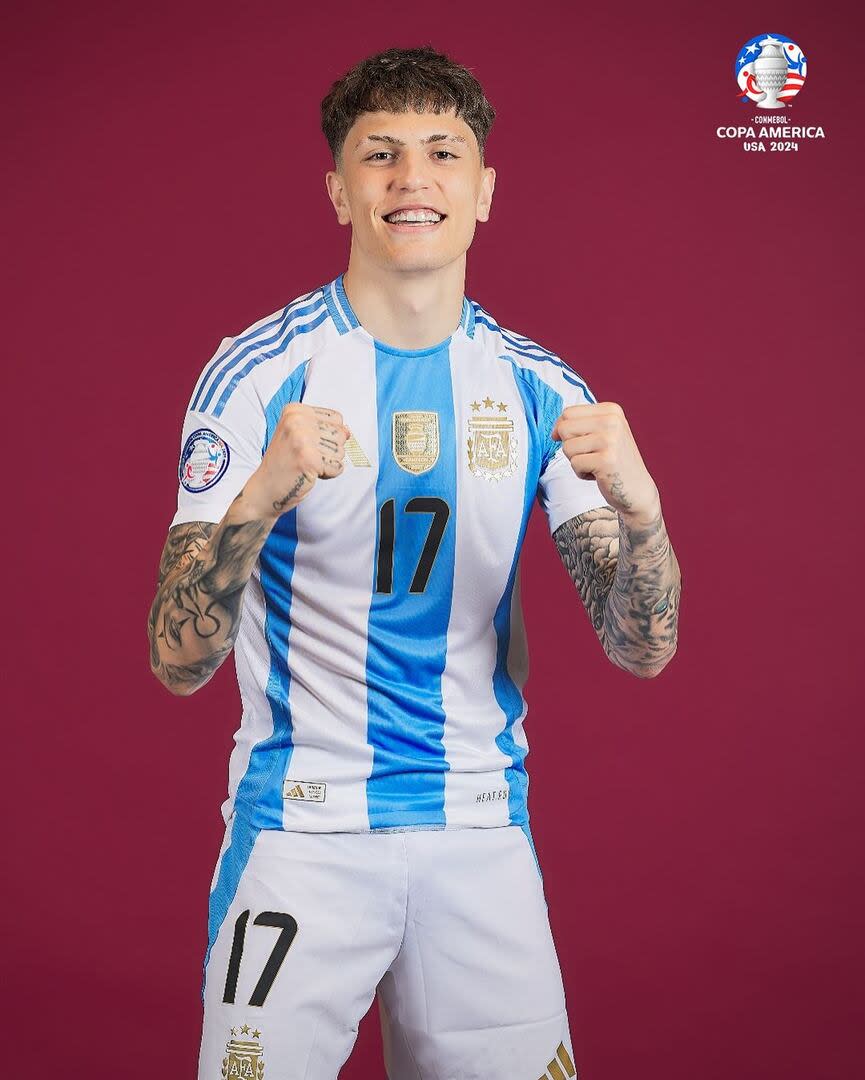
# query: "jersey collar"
{"type": "Point", "coordinates": [345, 319]}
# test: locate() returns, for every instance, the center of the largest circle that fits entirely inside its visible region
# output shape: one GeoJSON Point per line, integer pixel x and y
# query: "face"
{"type": "Point", "coordinates": [402, 160]}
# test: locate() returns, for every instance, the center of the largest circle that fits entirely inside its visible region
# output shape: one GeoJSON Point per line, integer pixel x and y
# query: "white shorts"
{"type": "Point", "coordinates": [448, 926]}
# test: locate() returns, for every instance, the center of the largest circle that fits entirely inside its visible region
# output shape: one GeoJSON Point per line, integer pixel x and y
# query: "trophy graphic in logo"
{"type": "Point", "coordinates": [244, 1058]}
{"type": "Point", "coordinates": [770, 71]}
{"type": "Point", "coordinates": [770, 74]}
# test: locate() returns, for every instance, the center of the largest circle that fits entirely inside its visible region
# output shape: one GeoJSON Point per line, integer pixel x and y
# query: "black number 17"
{"type": "Point", "coordinates": [287, 926]}
{"type": "Point", "coordinates": [387, 537]}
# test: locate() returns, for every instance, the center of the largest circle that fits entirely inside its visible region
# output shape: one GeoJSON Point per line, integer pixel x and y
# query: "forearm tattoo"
{"type": "Point", "coordinates": [589, 547]}
{"type": "Point", "coordinates": [629, 580]}
{"type": "Point", "coordinates": [304, 480]}
{"type": "Point", "coordinates": [195, 615]}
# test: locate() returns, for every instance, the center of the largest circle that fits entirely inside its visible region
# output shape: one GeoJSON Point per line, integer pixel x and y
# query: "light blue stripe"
{"type": "Point", "coordinates": [505, 689]}
{"type": "Point", "coordinates": [231, 867]}
{"type": "Point", "coordinates": [545, 409]}
{"type": "Point", "coordinates": [268, 337]}
{"type": "Point", "coordinates": [274, 753]}
{"type": "Point", "coordinates": [213, 365]}
{"type": "Point", "coordinates": [528, 832]}
{"type": "Point", "coordinates": [291, 390]}
{"type": "Point", "coordinates": [568, 373]}
{"type": "Point", "coordinates": [250, 337]}
{"type": "Point", "coordinates": [259, 355]}
{"type": "Point", "coordinates": [407, 635]}
{"type": "Point", "coordinates": [470, 321]}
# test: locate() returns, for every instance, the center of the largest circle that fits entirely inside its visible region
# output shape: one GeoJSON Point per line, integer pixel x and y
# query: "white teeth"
{"type": "Point", "coordinates": [414, 215]}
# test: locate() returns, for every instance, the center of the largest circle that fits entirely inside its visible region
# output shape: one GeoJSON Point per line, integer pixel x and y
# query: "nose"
{"type": "Point", "coordinates": [412, 172]}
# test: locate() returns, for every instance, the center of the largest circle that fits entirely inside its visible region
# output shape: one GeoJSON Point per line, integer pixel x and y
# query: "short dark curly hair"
{"type": "Point", "coordinates": [399, 80]}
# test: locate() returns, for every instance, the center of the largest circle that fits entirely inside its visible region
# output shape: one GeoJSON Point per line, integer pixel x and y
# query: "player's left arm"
{"type": "Point", "coordinates": [620, 556]}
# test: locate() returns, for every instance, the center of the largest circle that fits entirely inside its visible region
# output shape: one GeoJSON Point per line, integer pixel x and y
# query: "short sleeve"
{"type": "Point", "coordinates": [220, 448]}
{"type": "Point", "coordinates": [562, 493]}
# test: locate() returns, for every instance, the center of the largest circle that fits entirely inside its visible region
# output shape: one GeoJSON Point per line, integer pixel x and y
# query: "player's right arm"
{"type": "Point", "coordinates": [205, 566]}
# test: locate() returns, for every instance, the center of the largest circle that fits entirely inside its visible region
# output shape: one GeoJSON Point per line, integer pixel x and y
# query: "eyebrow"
{"type": "Point", "coordinates": [393, 141]}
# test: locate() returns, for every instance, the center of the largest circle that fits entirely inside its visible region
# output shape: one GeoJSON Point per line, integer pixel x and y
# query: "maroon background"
{"type": "Point", "coordinates": [700, 834]}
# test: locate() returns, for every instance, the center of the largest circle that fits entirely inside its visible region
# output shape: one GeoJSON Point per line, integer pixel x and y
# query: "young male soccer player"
{"type": "Point", "coordinates": [356, 475]}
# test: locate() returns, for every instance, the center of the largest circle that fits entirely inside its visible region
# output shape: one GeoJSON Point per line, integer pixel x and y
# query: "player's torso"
{"type": "Point", "coordinates": [387, 593]}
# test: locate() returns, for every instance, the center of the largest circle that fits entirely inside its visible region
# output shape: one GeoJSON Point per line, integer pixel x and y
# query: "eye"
{"type": "Point", "coordinates": [449, 154]}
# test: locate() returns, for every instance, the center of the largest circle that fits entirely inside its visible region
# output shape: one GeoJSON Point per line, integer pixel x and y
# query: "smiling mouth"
{"type": "Point", "coordinates": [401, 219]}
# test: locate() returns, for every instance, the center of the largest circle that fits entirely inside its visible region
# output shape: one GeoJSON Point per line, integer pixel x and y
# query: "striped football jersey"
{"type": "Point", "coordinates": [381, 654]}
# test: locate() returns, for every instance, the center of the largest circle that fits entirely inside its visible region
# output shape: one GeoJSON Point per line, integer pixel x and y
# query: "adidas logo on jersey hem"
{"type": "Point", "coordinates": [304, 789]}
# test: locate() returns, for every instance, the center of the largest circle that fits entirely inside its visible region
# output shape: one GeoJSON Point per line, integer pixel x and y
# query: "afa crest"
{"type": "Point", "coordinates": [244, 1058]}
{"type": "Point", "coordinates": [492, 445]}
{"type": "Point", "coordinates": [415, 440]}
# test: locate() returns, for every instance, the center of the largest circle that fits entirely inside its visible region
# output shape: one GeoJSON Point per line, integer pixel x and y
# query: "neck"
{"type": "Point", "coordinates": [406, 309]}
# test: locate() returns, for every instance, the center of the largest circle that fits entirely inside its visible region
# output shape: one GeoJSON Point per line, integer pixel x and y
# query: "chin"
{"type": "Point", "coordinates": [421, 260]}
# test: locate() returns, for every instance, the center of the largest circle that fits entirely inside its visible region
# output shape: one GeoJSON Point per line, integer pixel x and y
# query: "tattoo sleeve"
{"type": "Point", "coordinates": [195, 615]}
{"type": "Point", "coordinates": [629, 580]}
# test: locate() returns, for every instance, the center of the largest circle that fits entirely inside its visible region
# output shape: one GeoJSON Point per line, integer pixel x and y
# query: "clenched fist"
{"type": "Point", "coordinates": [308, 443]}
{"type": "Point", "coordinates": [597, 441]}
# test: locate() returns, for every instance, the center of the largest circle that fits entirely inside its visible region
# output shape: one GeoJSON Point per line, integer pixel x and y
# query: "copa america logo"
{"type": "Point", "coordinates": [770, 71]}
{"type": "Point", "coordinates": [203, 461]}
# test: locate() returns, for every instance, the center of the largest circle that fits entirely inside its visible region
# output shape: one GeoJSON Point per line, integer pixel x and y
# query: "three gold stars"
{"type": "Point", "coordinates": [488, 404]}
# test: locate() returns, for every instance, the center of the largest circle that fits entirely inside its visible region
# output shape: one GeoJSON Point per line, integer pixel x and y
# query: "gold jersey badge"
{"type": "Point", "coordinates": [415, 440]}
{"type": "Point", "coordinates": [492, 445]}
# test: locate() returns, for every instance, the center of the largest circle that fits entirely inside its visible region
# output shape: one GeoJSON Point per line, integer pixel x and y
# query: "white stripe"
{"type": "Point", "coordinates": [487, 518]}
{"type": "Point", "coordinates": [331, 584]}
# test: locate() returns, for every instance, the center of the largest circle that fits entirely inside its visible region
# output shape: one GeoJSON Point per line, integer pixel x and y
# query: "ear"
{"type": "Point", "coordinates": [337, 193]}
{"type": "Point", "coordinates": [485, 195]}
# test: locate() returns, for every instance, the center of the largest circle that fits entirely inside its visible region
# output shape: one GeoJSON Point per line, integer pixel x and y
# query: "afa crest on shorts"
{"type": "Point", "coordinates": [492, 445]}
{"type": "Point", "coordinates": [244, 1057]}
{"type": "Point", "coordinates": [203, 461]}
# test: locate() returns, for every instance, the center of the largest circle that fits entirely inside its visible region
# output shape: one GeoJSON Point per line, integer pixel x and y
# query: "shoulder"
{"type": "Point", "coordinates": [538, 367]}
{"type": "Point", "coordinates": [264, 353]}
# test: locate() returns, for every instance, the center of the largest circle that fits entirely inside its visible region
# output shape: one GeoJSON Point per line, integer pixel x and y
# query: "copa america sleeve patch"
{"type": "Point", "coordinates": [203, 461]}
